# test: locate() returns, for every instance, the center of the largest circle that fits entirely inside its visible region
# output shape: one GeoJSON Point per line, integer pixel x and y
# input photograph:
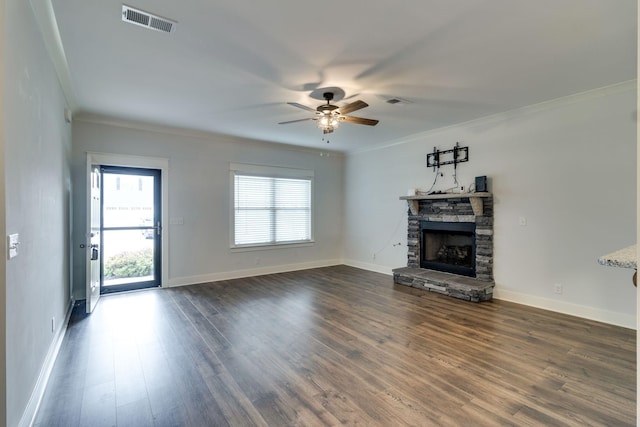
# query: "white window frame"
{"type": "Point", "coordinates": [270, 172]}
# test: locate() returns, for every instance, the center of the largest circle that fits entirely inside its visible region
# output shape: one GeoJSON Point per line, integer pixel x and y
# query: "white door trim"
{"type": "Point", "coordinates": [109, 159]}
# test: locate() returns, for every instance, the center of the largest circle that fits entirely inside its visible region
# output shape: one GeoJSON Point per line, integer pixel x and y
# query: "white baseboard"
{"type": "Point", "coordinates": [30, 412]}
{"type": "Point", "coordinates": [618, 319]}
{"type": "Point", "coordinates": [599, 315]}
{"type": "Point", "coordinates": [368, 266]}
{"type": "Point", "coordinates": [239, 274]}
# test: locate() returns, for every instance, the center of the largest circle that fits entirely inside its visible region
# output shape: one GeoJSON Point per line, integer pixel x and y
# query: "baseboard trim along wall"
{"type": "Point", "coordinates": [618, 319]}
{"type": "Point", "coordinates": [239, 274]}
{"type": "Point", "coordinates": [30, 412]}
{"type": "Point", "coordinates": [612, 318]}
{"type": "Point", "coordinates": [368, 266]}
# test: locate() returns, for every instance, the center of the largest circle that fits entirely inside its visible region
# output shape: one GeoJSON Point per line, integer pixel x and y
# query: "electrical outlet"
{"type": "Point", "coordinates": [13, 240]}
{"type": "Point", "coordinates": [373, 255]}
{"type": "Point", "coordinates": [53, 324]}
{"type": "Point", "coordinates": [557, 289]}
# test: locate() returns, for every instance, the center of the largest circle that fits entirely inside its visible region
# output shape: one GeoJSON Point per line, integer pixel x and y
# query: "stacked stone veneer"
{"type": "Point", "coordinates": [455, 210]}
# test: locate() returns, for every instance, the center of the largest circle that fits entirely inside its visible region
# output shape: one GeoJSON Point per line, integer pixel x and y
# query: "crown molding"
{"type": "Point", "coordinates": [629, 85]}
{"type": "Point", "coordinates": [195, 134]}
{"type": "Point", "coordinates": [46, 20]}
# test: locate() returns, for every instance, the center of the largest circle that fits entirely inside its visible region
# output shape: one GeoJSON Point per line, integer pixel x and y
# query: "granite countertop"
{"type": "Point", "coordinates": [625, 258]}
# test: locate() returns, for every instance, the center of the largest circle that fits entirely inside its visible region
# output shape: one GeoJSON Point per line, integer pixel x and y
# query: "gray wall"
{"type": "Point", "coordinates": [199, 192]}
{"type": "Point", "coordinates": [3, 253]}
{"type": "Point", "coordinates": [37, 147]}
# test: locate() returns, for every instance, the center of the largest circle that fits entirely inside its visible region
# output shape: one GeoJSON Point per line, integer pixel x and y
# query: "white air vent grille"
{"type": "Point", "coordinates": [147, 20]}
{"type": "Point", "coordinates": [397, 101]}
{"type": "Point", "coordinates": [161, 24]}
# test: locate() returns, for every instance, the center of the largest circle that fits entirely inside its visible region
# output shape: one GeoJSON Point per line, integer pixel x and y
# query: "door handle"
{"type": "Point", "coordinates": [94, 252]}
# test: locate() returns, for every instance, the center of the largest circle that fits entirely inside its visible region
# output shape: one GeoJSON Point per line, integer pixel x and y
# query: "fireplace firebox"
{"type": "Point", "coordinates": [448, 247]}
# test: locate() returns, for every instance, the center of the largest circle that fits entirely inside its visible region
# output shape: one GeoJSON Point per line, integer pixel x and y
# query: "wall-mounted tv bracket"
{"type": "Point", "coordinates": [447, 157]}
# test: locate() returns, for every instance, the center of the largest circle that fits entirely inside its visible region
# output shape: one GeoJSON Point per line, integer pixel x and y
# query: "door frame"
{"type": "Point", "coordinates": [156, 176]}
{"type": "Point", "coordinates": [94, 192]}
{"type": "Point", "coordinates": [144, 162]}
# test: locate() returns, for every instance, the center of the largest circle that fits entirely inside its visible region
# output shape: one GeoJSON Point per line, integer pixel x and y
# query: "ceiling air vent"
{"type": "Point", "coordinates": [147, 20]}
{"type": "Point", "coordinates": [396, 101]}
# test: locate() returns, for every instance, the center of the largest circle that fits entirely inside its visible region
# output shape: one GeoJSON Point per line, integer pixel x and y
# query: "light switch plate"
{"type": "Point", "coordinates": [13, 240]}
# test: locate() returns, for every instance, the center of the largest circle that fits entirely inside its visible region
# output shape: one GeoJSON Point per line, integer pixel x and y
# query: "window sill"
{"type": "Point", "coordinates": [271, 246]}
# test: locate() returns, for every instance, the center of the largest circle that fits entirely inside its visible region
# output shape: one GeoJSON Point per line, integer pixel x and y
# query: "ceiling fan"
{"type": "Point", "coordinates": [329, 116]}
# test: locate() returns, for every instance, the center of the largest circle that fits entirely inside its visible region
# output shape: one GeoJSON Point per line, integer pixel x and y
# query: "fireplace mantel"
{"type": "Point", "coordinates": [474, 198]}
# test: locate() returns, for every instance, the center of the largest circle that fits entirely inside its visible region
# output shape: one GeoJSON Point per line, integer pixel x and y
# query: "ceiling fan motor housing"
{"type": "Point", "coordinates": [327, 108]}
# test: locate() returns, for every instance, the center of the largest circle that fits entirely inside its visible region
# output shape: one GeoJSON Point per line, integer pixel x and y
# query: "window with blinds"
{"type": "Point", "coordinates": [271, 210]}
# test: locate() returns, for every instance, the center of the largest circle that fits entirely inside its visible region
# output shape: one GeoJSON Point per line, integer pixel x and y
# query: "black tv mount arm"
{"type": "Point", "coordinates": [440, 158]}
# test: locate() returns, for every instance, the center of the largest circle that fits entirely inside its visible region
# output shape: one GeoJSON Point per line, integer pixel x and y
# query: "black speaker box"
{"type": "Point", "coordinates": [481, 184]}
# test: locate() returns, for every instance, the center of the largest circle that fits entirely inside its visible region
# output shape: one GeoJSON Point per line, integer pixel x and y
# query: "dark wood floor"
{"type": "Point", "coordinates": [335, 346]}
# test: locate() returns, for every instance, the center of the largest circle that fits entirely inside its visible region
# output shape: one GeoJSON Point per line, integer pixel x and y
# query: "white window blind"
{"type": "Point", "coordinates": [271, 210]}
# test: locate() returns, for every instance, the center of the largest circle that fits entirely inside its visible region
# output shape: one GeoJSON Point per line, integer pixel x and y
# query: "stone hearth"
{"type": "Point", "coordinates": [453, 285]}
{"type": "Point", "coordinates": [452, 208]}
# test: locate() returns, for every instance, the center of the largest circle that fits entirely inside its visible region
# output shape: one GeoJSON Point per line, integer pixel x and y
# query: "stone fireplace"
{"type": "Point", "coordinates": [450, 245]}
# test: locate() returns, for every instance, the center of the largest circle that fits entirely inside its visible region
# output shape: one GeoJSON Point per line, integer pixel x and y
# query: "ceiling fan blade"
{"type": "Point", "coordinates": [360, 121]}
{"type": "Point", "coordinates": [354, 106]}
{"type": "Point", "coordinates": [295, 121]}
{"type": "Point", "coordinates": [304, 107]}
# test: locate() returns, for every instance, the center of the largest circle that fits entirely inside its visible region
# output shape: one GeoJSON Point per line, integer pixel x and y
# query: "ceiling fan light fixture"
{"type": "Point", "coordinates": [328, 121]}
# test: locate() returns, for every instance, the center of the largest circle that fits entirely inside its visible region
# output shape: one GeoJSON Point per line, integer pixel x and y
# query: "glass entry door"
{"type": "Point", "coordinates": [130, 229]}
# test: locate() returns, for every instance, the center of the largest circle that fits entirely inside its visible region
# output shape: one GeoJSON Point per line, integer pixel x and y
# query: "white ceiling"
{"type": "Point", "coordinates": [231, 66]}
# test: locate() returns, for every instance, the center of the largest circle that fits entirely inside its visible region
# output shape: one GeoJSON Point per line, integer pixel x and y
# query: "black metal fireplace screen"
{"type": "Point", "coordinates": [448, 246]}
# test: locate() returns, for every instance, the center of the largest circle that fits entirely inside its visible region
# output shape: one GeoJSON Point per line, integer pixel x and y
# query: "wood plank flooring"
{"type": "Point", "coordinates": [335, 346]}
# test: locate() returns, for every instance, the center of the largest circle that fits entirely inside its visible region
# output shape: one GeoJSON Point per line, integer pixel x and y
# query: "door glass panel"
{"type": "Point", "coordinates": [128, 257]}
{"type": "Point", "coordinates": [131, 229]}
{"type": "Point", "coordinates": [128, 200]}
